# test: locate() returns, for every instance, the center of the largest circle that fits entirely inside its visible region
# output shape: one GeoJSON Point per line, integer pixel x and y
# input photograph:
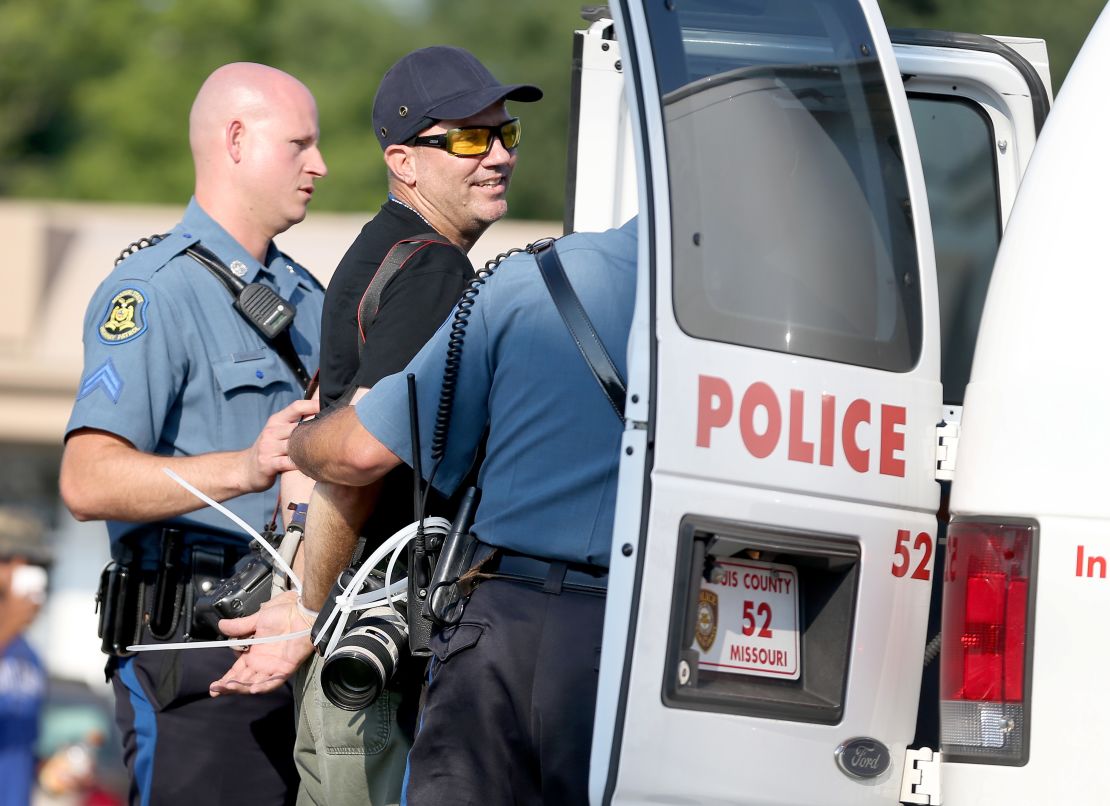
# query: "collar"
{"type": "Point", "coordinates": [197, 223]}
{"type": "Point", "coordinates": [281, 269]}
{"type": "Point", "coordinates": [411, 209]}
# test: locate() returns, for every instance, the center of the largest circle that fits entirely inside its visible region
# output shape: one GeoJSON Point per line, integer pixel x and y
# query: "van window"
{"type": "Point", "coordinates": [957, 154]}
{"type": "Point", "coordinates": [791, 219]}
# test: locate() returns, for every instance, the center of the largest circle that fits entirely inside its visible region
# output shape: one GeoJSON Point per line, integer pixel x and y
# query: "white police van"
{"type": "Point", "coordinates": [799, 355]}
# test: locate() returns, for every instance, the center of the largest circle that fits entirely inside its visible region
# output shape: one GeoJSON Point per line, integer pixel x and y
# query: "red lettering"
{"type": "Point", "coordinates": [714, 406]}
{"type": "Point", "coordinates": [828, 428]}
{"type": "Point", "coordinates": [891, 441]}
{"type": "Point", "coordinates": [924, 540]}
{"type": "Point", "coordinates": [1089, 566]}
{"type": "Point", "coordinates": [748, 618]}
{"type": "Point", "coordinates": [800, 449]}
{"type": "Point", "coordinates": [901, 554]}
{"type": "Point", "coordinates": [859, 459]}
{"type": "Point", "coordinates": [734, 652]}
{"type": "Point", "coordinates": [760, 395]}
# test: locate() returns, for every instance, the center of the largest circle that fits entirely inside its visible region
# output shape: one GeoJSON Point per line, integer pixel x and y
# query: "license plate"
{"type": "Point", "coordinates": [748, 620]}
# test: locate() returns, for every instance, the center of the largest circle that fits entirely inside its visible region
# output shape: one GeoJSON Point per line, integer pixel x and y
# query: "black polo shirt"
{"type": "Point", "coordinates": [413, 305]}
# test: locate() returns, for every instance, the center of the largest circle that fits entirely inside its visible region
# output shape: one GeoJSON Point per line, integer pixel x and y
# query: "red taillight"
{"type": "Point", "coordinates": [984, 642]}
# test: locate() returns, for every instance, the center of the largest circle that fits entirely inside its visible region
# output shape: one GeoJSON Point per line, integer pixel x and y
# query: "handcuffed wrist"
{"type": "Point", "coordinates": [307, 613]}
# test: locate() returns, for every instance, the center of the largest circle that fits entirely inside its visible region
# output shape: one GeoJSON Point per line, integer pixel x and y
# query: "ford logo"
{"type": "Point", "coordinates": [863, 758]}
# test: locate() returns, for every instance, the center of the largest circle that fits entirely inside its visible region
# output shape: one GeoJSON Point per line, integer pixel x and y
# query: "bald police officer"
{"type": "Point", "coordinates": [176, 378]}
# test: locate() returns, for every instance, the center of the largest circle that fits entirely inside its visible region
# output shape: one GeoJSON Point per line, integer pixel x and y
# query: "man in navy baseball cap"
{"type": "Point", "coordinates": [437, 83]}
{"type": "Point", "coordinates": [450, 147]}
{"type": "Point", "coordinates": [448, 140]}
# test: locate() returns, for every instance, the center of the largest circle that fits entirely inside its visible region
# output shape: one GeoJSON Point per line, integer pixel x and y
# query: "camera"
{"type": "Point", "coordinates": [368, 653]}
{"type": "Point", "coordinates": [364, 660]}
{"type": "Point", "coordinates": [241, 594]}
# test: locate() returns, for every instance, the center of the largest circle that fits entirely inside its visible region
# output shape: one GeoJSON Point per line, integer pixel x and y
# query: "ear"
{"type": "Point", "coordinates": [234, 136]}
{"type": "Point", "coordinates": [401, 162]}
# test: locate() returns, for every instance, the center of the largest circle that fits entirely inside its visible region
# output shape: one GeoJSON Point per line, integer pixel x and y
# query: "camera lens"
{"type": "Point", "coordinates": [364, 660]}
{"type": "Point", "coordinates": [351, 674]}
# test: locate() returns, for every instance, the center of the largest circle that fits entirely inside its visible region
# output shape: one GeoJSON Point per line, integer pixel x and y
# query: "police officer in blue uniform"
{"type": "Point", "coordinates": [508, 714]}
{"type": "Point", "coordinates": [175, 377]}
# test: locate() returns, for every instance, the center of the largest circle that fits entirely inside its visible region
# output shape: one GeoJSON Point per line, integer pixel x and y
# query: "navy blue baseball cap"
{"type": "Point", "coordinates": [437, 83]}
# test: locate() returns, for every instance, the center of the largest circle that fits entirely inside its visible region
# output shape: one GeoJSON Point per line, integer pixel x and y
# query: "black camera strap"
{"type": "Point", "coordinates": [580, 327]}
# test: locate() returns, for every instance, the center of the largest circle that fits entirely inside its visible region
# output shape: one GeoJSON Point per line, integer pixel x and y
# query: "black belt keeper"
{"type": "Point", "coordinates": [556, 573]}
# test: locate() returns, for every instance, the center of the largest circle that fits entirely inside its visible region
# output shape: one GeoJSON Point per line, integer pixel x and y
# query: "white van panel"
{"type": "Point", "coordinates": [1035, 437]}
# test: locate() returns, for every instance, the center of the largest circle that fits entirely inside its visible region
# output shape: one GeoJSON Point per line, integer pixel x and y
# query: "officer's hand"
{"type": "Point", "coordinates": [269, 455]}
{"type": "Point", "coordinates": [264, 667]}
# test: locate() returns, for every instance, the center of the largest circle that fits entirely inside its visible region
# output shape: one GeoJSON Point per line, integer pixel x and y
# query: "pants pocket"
{"type": "Point", "coordinates": [343, 732]}
{"type": "Point", "coordinates": [453, 640]}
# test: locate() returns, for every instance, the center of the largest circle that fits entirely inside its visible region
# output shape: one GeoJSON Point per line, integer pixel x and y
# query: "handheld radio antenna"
{"type": "Point", "coordinates": [419, 541]}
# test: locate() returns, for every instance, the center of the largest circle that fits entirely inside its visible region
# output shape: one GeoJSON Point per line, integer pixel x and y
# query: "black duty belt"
{"type": "Point", "coordinates": [551, 576]}
{"type": "Point", "coordinates": [148, 596]}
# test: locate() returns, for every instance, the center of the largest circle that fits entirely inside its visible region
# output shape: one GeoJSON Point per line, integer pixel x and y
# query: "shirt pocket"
{"type": "Point", "coordinates": [243, 372]}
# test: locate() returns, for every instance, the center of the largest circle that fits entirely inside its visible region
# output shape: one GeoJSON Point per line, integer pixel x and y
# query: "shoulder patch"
{"type": "Point", "coordinates": [125, 318]}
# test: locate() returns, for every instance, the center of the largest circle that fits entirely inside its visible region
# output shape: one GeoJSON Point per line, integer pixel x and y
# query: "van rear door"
{"type": "Point", "coordinates": [773, 553]}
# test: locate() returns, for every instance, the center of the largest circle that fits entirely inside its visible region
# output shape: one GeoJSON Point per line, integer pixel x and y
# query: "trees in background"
{"type": "Point", "coordinates": [94, 97]}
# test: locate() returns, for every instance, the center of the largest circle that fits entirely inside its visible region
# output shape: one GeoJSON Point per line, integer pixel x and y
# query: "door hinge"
{"type": "Point", "coordinates": [921, 776]}
{"type": "Point", "coordinates": [948, 442]}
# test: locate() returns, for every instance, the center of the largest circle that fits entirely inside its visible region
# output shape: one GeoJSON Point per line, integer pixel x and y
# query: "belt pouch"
{"type": "Point", "coordinates": [165, 606]}
{"type": "Point", "coordinates": [119, 601]}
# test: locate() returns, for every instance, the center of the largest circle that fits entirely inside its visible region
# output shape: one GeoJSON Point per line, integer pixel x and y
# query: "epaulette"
{"type": "Point", "coordinates": [141, 259]}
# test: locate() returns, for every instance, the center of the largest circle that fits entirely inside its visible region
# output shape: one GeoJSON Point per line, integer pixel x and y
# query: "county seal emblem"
{"type": "Point", "coordinates": [706, 632]}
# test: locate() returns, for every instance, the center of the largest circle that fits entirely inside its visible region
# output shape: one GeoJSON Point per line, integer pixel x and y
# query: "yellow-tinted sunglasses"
{"type": "Point", "coordinates": [473, 141]}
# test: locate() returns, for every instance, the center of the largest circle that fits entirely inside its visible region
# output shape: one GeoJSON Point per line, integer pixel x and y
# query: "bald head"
{"type": "Point", "coordinates": [242, 90]}
{"type": "Point", "coordinates": [253, 132]}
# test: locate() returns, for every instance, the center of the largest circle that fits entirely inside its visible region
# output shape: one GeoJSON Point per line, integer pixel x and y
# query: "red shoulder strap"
{"type": "Point", "coordinates": [393, 262]}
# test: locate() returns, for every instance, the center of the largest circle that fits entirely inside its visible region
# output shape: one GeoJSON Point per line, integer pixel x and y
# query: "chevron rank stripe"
{"type": "Point", "coordinates": [104, 377]}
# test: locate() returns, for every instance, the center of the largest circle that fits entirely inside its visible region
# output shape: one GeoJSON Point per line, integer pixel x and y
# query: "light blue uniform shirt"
{"type": "Point", "coordinates": [175, 370]}
{"type": "Point", "coordinates": [549, 479]}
